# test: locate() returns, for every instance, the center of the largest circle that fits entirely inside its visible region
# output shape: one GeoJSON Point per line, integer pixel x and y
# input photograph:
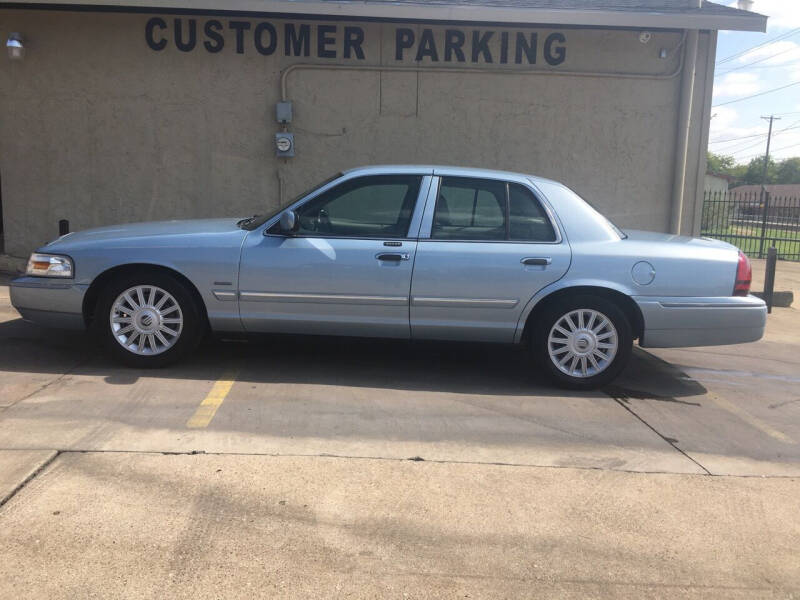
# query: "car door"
{"type": "Point", "coordinates": [346, 270]}
{"type": "Point", "coordinates": [486, 247]}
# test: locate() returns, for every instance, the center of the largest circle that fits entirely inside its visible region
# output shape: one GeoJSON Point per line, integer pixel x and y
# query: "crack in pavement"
{"type": "Point", "coordinates": [706, 472]}
{"type": "Point", "coordinates": [53, 381]}
{"type": "Point", "coordinates": [622, 401]}
{"type": "Point", "coordinates": [31, 476]}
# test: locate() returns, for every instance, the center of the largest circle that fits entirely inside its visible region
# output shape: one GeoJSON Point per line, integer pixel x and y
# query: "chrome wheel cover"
{"type": "Point", "coordinates": [582, 343]}
{"type": "Point", "coordinates": [146, 320]}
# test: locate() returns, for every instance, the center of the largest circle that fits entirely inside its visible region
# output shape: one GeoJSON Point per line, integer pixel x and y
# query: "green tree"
{"type": "Point", "coordinates": [754, 173]}
{"type": "Point", "coordinates": [788, 171]}
{"type": "Point", "coordinates": [719, 163]}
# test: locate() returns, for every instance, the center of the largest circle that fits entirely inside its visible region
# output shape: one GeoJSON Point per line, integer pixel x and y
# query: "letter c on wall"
{"type": "Point", "coordinates": [148, 33]}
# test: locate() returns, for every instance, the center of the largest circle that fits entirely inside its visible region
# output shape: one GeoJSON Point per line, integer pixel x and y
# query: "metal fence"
{"type": "Point", "coordinates": [753, 222]}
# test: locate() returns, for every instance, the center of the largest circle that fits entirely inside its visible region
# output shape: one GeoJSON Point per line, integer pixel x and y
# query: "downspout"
{"type": "Point", "coordinates": [684, 125]}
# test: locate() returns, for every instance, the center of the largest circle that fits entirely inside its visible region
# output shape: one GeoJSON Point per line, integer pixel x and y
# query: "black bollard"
{"type": "Point", "coordinates": [769, 276]}
{"type": "Point", "coordinates": [63, 227]}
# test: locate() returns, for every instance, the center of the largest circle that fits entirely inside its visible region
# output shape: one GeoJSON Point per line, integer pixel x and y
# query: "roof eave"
{"type": "Point", "coordinates": [692, 19]}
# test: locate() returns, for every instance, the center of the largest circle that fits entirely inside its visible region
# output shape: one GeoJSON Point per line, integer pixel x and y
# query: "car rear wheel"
{"type": "Point", "coordinates": [147, 319]}
{"type": "Point", "coordinates": [583, 342]}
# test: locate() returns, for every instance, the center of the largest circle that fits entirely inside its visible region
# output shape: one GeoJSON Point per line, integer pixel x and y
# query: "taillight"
{"type": "Point", "coordinates": [744, 273]}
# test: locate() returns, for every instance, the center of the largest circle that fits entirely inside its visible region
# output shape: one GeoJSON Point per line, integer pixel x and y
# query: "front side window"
{"type": "Point", "coordinates": [491, 210]}
{"type": "Point", "coordinates": [373, 206]}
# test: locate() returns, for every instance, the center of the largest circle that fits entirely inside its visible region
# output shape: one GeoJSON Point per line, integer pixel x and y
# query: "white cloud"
{"type": "Point", "coordinates": [776, 53]}
{"type": "Point", "coordinates": [722, 119]}
{"type": "Point", "coordinates": [724, 129]}
{"type": "Point", "coordinates": [744, 143]}
{"type": "Point", "coordinates": [736, 85]}
{"type": "Point", "coordinates": [783, 14]}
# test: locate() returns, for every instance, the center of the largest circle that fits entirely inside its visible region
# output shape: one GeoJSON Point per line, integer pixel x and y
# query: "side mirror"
{"type": "Point", "coordinates": [288, 222]}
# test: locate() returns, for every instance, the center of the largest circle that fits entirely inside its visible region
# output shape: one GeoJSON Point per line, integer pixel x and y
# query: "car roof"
{"type": "Point", "coordinates": [444, 170]}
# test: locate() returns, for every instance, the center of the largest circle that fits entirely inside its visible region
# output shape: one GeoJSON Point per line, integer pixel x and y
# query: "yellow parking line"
{"type": "Point", "coordinates": [751, 420]}
{"type": "Point", "coordinates": [208, 407]}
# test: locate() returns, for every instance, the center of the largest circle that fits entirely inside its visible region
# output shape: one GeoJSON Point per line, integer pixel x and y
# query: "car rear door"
{"type": "Point", "coordinates": [486, 247]}
{"type": "Point", "coordinates": [347, 270]}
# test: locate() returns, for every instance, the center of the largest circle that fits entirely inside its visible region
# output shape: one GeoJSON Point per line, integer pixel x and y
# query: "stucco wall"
{"type": "Point", "coordinates": [97, 127]}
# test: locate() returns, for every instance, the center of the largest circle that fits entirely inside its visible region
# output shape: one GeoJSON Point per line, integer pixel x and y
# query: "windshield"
{"type": "Point", "coordinates": [258, 220]}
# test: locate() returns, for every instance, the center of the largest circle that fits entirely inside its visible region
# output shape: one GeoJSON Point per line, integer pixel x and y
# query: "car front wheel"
{"type": "Point", "coordinates": [148, 319]}
{"type": "Point", "coordinates": [583, 342]}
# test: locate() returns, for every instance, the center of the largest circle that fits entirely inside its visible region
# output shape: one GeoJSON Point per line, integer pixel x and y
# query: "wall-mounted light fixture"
{"type": "Point", "coordinates": [15, 47]}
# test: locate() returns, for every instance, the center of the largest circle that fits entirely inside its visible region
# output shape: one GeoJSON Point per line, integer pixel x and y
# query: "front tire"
{"type": "Point", "coordinates": [147, 319]}
{"type": "Point", "coordinates": [583, 342]}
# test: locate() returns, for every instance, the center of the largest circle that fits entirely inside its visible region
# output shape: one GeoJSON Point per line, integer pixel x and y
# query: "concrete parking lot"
{"type": "Point", "coordinates": [349, 468]}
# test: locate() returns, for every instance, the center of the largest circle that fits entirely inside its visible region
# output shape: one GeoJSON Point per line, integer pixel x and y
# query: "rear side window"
{"type": "Point", "coordinates": [490, 210]}
{"type": "Point", "coordinates": [470, 209]}
{"type": "Point", "coordinates": [529, 221]}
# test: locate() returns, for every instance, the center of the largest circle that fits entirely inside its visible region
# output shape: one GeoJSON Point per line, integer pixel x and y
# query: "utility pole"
{"type": "Point", "coordinates": [766, 156]}
{"type": "Point", "coordinates": [764, 196]}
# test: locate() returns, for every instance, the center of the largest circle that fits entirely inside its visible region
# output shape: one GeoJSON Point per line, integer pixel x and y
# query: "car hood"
{"type": "Point", "coordinates": [667, 238]}
{"type": "Point", "coordinates": [152, 229]}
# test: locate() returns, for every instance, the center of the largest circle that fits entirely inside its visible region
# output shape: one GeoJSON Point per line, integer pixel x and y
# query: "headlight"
{"type": "Point", "coordinates": [49, 265]}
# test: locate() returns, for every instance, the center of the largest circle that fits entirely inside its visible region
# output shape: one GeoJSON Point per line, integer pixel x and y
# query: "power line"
{"type": "Point", "coordinates": [752, 156]}
{"type": "Point", "coordinates": [785, 65]}
{"type": "Point", "coordinates": [786, 147]}
{"type": "Point", "coordinates": [736, 139]}
{"type": "Point", "coordinates": [777, 38]}
{"type": "Point", "coordinates": [747, 146]}
{"type": "Point", "coordinates": [795, 125]}
{"type": "Point", "coordinates": [783, 87]}
{"type": "Point", "coordinates": [739, 146]}
{"type": "Point", "coordinates": [746, 65]}
{"type": "Point", "coordinates": [742, 149]}
{"type": "Point", "coordinates": [732, 151]}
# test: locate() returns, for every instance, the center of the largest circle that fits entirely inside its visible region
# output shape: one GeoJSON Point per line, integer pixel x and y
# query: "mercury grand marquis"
{"type": "Point", "coordinates": [411, 252]}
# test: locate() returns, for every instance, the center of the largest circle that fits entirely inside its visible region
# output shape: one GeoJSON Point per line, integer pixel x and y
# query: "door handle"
{"type": "Point", "coordinates": [392, 256]}
{"type": "Point", "coordinates": [536, 261]}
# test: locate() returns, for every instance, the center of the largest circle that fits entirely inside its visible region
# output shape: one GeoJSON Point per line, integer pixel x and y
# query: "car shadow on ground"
{"type": "Point", "coordinates": [462, 368]}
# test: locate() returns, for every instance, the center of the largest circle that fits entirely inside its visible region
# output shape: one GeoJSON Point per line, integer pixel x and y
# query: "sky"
{"type": "Point", "coordinates": [753, 63]}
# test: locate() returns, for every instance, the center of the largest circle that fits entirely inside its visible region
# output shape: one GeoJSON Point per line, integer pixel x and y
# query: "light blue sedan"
{"type": "Point", "coordinates": [413, 252]}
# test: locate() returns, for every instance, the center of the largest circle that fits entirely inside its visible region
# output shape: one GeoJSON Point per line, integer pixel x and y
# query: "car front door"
{"type": "Point", "coordinates": [486, 246]}
{"type": "Point", "coordinates": [346, 270]}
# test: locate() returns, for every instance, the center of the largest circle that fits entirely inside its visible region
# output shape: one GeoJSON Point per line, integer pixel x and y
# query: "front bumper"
{"type": "Point", "coordinates": [684, 322]}
{"type": "Point", "coordinates": [48, 301]}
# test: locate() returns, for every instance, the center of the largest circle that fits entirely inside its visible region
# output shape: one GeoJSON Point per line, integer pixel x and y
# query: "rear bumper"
{"type": "Point", "coordinates": [49, 302]}
{"type": "Point", "coordinates": [684, 322]}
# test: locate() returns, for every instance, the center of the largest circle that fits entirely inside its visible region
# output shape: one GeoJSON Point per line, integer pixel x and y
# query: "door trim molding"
{"type": "Point", "coordinates": [465, 302]}
{"type": "Point", "coordinates": [322, 298]}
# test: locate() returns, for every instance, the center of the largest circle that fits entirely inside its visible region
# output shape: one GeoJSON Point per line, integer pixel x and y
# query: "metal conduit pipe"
{"type": "Point", "coordinates": [684, 127]}
{"type": "Point", "coordinates": [649, 76]}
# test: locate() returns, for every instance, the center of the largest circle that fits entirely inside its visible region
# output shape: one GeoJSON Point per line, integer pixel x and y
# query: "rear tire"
{"type": "Point", "coordinates": [582, 342]}
{"type": "Point", "coordinates": [147, 319]}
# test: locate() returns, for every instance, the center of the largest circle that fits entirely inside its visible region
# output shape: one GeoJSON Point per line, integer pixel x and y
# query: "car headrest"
{"type": "Point", "coordinates": [442, 212]}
